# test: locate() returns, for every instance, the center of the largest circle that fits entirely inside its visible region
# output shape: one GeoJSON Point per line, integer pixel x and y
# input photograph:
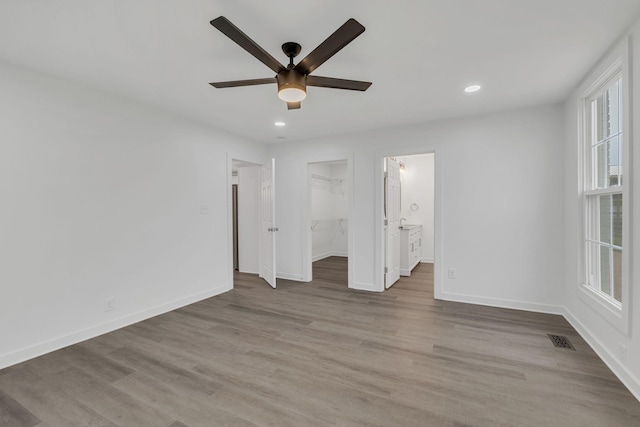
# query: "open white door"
{"type": "Point", "coordinates": [267, 225]}
{"type": "Point", "coordinates": [392, 210]}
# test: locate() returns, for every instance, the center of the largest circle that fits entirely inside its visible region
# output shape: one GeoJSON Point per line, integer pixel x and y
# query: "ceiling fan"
{"type": "Point", "coordinates": [293, 79]}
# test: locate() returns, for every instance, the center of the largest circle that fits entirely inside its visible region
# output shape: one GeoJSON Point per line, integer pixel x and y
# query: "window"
{"type": "Point", "coordinates": [604, 174]}
{"type": "Point", "coordinates": [604, 190]}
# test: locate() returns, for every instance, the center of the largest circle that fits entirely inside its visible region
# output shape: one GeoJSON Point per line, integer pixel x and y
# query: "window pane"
{"type": "Point", "coordinates": [605, 219]}
{"type": "Point", "coordinates": [617, 275]}
{"type": "Point", "coordinates": [605, 270]}
{"type": "Point", "coordinates": [616, 218]}
{"type": "Point", "coordinates": [613, 160]}
{"type": "Point", "coordinates": [592, 265]}
{"type": "Point", "coordinates": [593, 225]}
{"type": "Point", "coordinates": [619, 165]}
{"type": "Point", "coordinates": [612, 109]}
{"type": "Point", "coordinates": [620, 124]}
{"type": "Point", "coordinates": [601, 165]}
{"type": "Point", "coordinates": [599, 114]}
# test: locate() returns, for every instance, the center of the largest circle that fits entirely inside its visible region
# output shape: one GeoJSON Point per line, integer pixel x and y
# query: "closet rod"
{"type": "Point", "coordinates": [320, 177]}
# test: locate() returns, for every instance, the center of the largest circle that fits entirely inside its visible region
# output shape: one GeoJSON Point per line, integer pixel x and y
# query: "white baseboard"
{"type": "Point", "coordinates": [620, 371]}
{"type": "Point", "coordinates": [428, 260]}
{"type": "Point", "coordinates": [248, 272]}
{"type": "Point", "coordinates": [365, 287]}
{"type": "Point", "coordinates": [503, 303]}
{"type": "Point", "coordinates": [289, 276]}
{"type": "Point", "coordinates": [321, 256]}
{"type": "Point", "coordinates": [327, 255]}
{"type": "Point", "coordinates": [45, 347]}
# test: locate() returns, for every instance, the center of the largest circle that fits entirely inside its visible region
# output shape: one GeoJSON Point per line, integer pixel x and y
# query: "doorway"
{"type": "Point", "coordinates": [329, 221]}
{"type": "Point", "coordinates": [409, 214]}
{"type": "Point", "coordinates": [252, 220]}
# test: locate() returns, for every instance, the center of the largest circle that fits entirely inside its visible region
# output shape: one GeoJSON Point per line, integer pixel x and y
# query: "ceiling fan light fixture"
{"type": "Point", "coordinates": [292, 86]}
{"type": "Point", "coordinates": [292, 94]}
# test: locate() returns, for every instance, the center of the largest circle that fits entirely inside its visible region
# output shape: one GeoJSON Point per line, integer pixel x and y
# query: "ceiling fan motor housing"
{"type": "Point", "coordinates": [292, 85]}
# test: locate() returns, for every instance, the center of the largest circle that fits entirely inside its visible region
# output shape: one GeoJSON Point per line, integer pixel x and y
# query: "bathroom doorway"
{"type": "Point", "coordinates": [409, 214]}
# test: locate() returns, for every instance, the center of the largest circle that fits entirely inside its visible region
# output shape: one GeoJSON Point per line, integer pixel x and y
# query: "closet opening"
{"type": "Point", "coordinates": [329, 224]}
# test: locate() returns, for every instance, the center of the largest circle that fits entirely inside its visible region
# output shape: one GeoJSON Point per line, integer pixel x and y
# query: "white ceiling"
{"type": "Point", "coordinates": [419, 54]}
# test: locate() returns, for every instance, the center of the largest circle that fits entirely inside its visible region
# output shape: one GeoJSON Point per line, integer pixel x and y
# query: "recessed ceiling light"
{"type": "Point", "coordinates": [280, 124]}
{"type": "Point", "coordinates": [472, 88]}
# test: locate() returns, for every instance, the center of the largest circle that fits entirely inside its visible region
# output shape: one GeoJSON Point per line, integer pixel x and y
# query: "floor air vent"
{"type": "Point", "coordinates": [560, 341]}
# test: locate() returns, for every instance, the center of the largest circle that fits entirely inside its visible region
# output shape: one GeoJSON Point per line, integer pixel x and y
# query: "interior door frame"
{"type": "Point", "coordinates": [245, 158]}
{"type": "Point", "coordinates": [307, 237]}
{"type": "Point", "coordinates": [438, 268]}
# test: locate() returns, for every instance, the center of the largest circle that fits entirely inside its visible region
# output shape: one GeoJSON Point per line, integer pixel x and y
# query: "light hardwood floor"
{"type": "Point", "coordinates": [319, 354]}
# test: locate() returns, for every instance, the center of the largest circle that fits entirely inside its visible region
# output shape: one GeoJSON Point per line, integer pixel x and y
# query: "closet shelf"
{"type": "Point", "coordinates": [321, 177]}
{"type": "Point", "coordinates": [325, 183]}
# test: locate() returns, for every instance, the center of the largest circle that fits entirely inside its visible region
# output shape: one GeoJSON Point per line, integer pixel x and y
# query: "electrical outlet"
{"type": "Point", "coordinates": [204, 210]}
{"type": "Point", "coordinates": [623, 354]}
{"type": "Point", "coordinates": [452, 273]}
{"type": "Point", "coordinates": [109, 304]}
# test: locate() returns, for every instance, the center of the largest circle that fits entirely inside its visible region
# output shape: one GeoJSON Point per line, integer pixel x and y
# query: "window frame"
{"type": "Point", "coordinates": [591, 192]}
{"type": "Point", "coordinates": [615, 66]}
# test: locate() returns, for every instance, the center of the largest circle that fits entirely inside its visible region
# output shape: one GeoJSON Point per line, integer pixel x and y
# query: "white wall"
{"type": "Point", "coordinates": [491, 174]}
{"type": "Point", "coordinates": [339, 245]}
{"type": "Point", "coordinates": [418, 187]}
{"type": "Point", "coordinates": [605, 338]}
{"type": "Point", "coordinates": [249, 219]}
{"type": "Point", "coordinates": [100, 198]}
{"type": "Point", "coordinates": [329, 209]}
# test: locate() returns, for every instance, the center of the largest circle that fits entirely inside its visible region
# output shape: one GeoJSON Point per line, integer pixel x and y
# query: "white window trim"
{"type": "Point", "coordinates": [615, 64]}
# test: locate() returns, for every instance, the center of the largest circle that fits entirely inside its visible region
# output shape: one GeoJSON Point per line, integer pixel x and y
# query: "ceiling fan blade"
{"type": "Point", "coordinates": [236, 83]}
{"type": "Point", "coordinates": [244, 41]}
{"type": "Point", "coordinates": [293, 105]}
{"type": "Point", "coordinates": [330, 82]}
{"type": "Point", "coordinates": [336, 41]}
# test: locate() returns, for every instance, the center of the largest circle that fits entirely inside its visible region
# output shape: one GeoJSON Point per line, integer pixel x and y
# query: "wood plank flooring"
{"type": "Point", "coordinates": [318, 354]}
